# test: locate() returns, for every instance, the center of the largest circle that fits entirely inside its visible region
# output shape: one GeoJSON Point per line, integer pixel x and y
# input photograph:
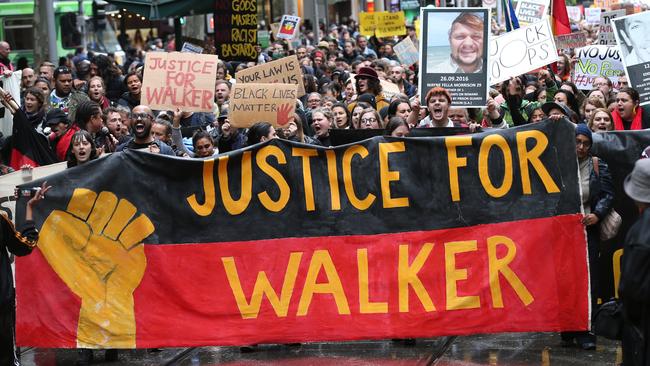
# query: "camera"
{"type": "Point", "coordinates": [27, 192]}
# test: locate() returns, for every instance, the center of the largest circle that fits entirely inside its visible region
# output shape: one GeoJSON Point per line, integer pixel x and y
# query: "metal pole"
{"type": "Point", "coordinates": [499, 12]}
{"type": "Point", "coordinates": [317, 24]}
{"type": "Point", "coordinates": [81, 23]}
{"type": "Point", "coordinates": [51, 31]}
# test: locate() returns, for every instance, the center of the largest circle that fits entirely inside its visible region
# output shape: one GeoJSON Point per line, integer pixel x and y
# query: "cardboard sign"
{"type": "Point", "coordinates": [521, 51]}
{"type": "Point", "coordinates": [390, 24]}
{"type": "Point", "coordinates": [407, 52]}
{"type": "Point", "coordinates": [573, 40]}
{"type": "Point", "coordinates": [183, 80]}
{"type": "Point", "coordinates": [531, 11]}
{"type": "Point", "coordinates": [631, 32]}
{"type": "Point", "coordinates": [606, 31]}
{"type": "Point", "coordinates": [389, 89]}
{"type": "Point", "coordinates": [592, 15]}
{"type": "Point", "coordinates": [594, 61]}
{"type": "Point", "coordinates": [288, 27]}
{"type": "Point", "coordinates": [252, 103]}
{"type": "Point", "coordinates": [191, 48]}
{"type": "Point", "coordinates": [574, 13]}
{"type": "Point", "coordinates": [237, 25]}
{"type": "Point", "coordinates": [285, 70]}
{"type": "Point", "coordinates": [367, 24]}
{"type": "Point", "coordinates": [603, 4]}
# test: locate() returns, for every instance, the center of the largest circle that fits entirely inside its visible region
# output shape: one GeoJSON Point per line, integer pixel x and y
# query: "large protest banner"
{"type": "Point", "coordinates": [531, 11]}
{"type": "Point", "coordinates": [284, 71]}
{"type": "Point", "coordinates": [283, 242]}
{"type": "Point", "coordinates": [631, 32]}
{"type": "Point", "coordinates": [521, 51]}
{"type": "Point", "coordinates": [594, 61]}
{"type": "Point", "coordinates": [272, 103]}
{"type": "Point", "coordinates": [235, 30]}
{"type": "Point", "coordinates": [179, 80]}
{"type": "Point", "coordinates": [452, 57]}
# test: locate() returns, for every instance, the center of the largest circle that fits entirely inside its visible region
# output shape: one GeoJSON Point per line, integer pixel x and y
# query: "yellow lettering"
{"type": "Point", "coordinates": [386, 175]}
{"type": "Point", "coordinates": [365, 306]}
{"type": "Point", "coordinates": [532, 156]}
{"type": "Point", "coordinates": [322, 259]}
{"type": "Point", "coordinates": [305, 154]}
{"type": "Point", "coordinates": [453, 275]}
{"type": "Point", "coordinates": [360, 204]}
{"type": "Point", "coordinates": [455, 162]}
{"type": "Point", "coordinates": [483, 173]}
{"type": "Point", "coordinates": [285, 191]}
{"type": "Point", "coordinates": [235, 207]}
{"type": "Point", "coordinates": [250, 310]}
{"type": "Point", "coordinates": [407, 275]}
{"type": "Point", "coordinates": [616, 269]}
{"type": "Point", "coordinates": [332, 174]}
{"type": "Point", "coordinates": [498, 266]}
{"type": "Point", "coordinates": [208, 188]}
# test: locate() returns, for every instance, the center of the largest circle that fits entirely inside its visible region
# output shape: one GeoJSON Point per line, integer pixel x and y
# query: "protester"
{"type": "Point", "coordinates": [438, 101]}
{"type": "Point", "coordinates": [397, 127]}
{"type": "Point", "coordinates": [322, 121]}
{"type": "Point", "coordinates": [133, 83]}
{"type": "Point", "coordinates": [261, 132]}
{"type": "Point", "coordinates": [5, 64]}
{"type": "Point", "coordinates": [97, 92]}
{"type": "Point", "coordinates": [634, 288]}
{"type": "Point", "coordinates": [601, 121]}
{"type": "Point", "coordinates": [142, 139]}
{"type": "Point", "coordinates": [202, 142]}
{"type": "Point", "coordinates": [82, 149]}
{"type": "Point", "coordinates": [20, 242]}
{"type": "Point", "coordinates": [370, 119]}
{"type": "Point", "coordinates": [341, 116]}
{"type": "Point", "coordinates": [628, 115]}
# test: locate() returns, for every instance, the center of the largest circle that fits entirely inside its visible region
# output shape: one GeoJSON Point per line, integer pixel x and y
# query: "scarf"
{"type": "Point", "coordinates": [636, 122]}
{"type": "Point", "coordinates": [35, 119]}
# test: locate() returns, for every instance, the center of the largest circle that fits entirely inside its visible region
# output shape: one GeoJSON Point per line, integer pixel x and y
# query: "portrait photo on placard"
{"type": "Point", "coordinates": [454, 50]}
{"type": "Point", "coordinates": [633, 33]}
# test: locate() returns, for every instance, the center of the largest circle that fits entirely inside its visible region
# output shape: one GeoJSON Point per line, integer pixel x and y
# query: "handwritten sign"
{"type": "Point", "coordinates": [521, 51]}
{"type": "Point", "coordinates": [285, 70]}
{"type": "Point", "coordinates": [252, 103]}
{"type": "Point", "coordinates": [390, 24]}
{"type": "Point", "coordinates": [531, 11]}
{"type": "Point", "coordinates": [592, 15]}
{"type": "Point", "coordinates": [573, 40]}
{"type": "Point", "coordinates": [367, 24]}
{"type": "Point", "coordinates": [594, 61]}
{"type": "Point", "coordinates": [184, 80]}
{"type": "Point", "coordinates": [236, 30]}
{"type": "Point", "coordinates": [606, 31]}
{"type": "Point", "coordinates": [288, 27]}
{"type": "Point", "coordinates": [407, 52]}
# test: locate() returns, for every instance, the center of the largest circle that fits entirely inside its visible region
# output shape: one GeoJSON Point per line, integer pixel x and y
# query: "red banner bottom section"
{"type": "Point", "coordinates": [522, 276]}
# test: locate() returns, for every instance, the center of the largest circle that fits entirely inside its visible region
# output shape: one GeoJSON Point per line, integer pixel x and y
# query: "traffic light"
{"type": "Point", "coordinates": [99, 14]}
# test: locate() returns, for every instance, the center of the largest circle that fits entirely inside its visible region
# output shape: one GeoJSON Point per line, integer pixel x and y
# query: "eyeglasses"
{"type": "Point", "coordinates": [583, 143]}
{"type": "Point", "coordinates": [141, 115]}
{"type": "Point", "coordinates": [368, 120]}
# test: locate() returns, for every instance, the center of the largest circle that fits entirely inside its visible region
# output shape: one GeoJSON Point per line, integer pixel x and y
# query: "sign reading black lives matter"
{"type": "Point", "coordinates": [453, 55]}
{"type": "Point", "coordinates": [235, 24]}
{"type": "Point", "coordinates": [631, 32]}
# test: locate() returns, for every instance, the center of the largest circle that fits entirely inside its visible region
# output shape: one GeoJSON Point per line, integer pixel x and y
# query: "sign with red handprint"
{"type": "Point", "coordinates": [252, 103]}
{"type": "Point", "coordinates": [288, 27]}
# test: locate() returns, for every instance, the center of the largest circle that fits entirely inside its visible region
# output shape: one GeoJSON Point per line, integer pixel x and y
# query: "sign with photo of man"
{"type": "Point", "coordinates": [633, 37]}
{"type": "Point", "coordinates": [454, 53]}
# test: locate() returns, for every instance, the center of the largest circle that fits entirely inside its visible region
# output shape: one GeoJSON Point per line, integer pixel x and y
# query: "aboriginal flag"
{"type": "Point", "coordinates": [560, 18]}
{"type": "Point", "coordinates": [27, 145]}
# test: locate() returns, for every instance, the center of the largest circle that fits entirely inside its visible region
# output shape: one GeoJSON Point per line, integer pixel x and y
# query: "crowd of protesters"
{"type": "Point", "coordinates": [88, 106]}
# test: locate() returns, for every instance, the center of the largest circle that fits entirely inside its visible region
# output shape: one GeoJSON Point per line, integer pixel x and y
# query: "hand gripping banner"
{"type": "Point", "coordinates": [283, 242]}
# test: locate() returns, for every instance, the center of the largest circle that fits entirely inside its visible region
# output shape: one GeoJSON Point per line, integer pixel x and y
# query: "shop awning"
{"type": "Point", "coordinates": [163, 9]}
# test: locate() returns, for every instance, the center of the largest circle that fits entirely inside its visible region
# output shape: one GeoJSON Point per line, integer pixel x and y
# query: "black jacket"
{"type": "Point", "coordinates": [601, 189]}
{"type": "Point", "coordinates": [18, 243]}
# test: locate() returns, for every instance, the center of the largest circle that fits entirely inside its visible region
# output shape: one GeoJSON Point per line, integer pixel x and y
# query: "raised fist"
{"type": "Point", "coordinates": [95, 246]}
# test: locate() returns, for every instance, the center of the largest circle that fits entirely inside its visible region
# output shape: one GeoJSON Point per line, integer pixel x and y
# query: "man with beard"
{"type": "Point", "coordinates": [466, 43]}
{"type": "Point", "coordinates": [396, 75]}
{"type": "Point", "coordinates": [141, 130]}
{"type": "Point", "coordinates": [5, 63]}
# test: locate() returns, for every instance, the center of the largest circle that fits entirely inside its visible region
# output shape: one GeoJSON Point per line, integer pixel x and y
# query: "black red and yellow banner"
{"type": "Point", "coordinates": [284, 242]}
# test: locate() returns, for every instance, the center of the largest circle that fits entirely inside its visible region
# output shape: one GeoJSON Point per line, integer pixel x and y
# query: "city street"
{"type": "Point", "coordinates": [501, 349]}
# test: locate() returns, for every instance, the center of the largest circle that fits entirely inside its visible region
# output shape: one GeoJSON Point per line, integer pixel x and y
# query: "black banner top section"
{"type": "Point", "coordinates": [283, 189]}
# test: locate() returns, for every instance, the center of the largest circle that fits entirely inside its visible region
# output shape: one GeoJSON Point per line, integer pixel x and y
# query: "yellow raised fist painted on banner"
{"type": "Point", "coordinates": [95, 246]}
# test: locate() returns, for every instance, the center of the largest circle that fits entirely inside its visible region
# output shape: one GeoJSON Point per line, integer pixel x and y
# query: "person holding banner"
{"type": "Point", "coordinates": [466, 43]}
{"type": "Point", "coordinates": [438, 101]}
{"type": "Point", "coordinates": [597, 196]}
{"type": "Point", "coordinates": [19, 242]}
